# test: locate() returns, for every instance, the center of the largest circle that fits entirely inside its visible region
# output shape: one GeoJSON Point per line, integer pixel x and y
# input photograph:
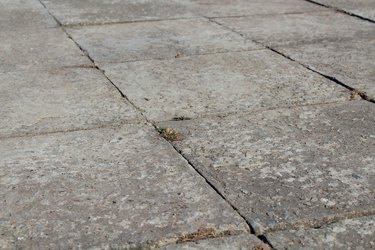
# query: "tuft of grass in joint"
{"type": "Point", "coordinates": [170, 134]}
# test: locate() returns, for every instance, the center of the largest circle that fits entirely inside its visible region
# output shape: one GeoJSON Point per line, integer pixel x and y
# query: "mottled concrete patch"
{"type": "Point", "coordinates": [363, 8]}
{"type": "Point", "coordinates": [34, 102]}
{"type": "Point", "coordinates": [42, 49]}
{"type": "Point", "coordinates": [109, 11]}
{"type": "Point", "coordinates": [25, 15]}
{"type": "Point", "coordinates": [306, 28]}
{"type": "Point", "coordinates": [225, 8]}
{"type": "Point", "coordinates": [149, 40]}
{"type": "Point", "coordinates": [358, 233]}
{"type": "Point", "coordinates": [108, 188]}
{"type": "Point", "coordinates": [219, 84]}
{"type": "Point", "coordinates": [236, 242]}
{"type": "Point", "coordinates": [352, 63]}
{"type": "Point", "coordinates": [288, 167]}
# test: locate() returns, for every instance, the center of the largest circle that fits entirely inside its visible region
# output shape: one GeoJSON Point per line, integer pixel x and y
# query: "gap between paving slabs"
{"type": "Point", "coordinates": [341, 10]}
{"type": "Point", "coordinates": [354, 92]}
{"type": "Point", "coordinates": [261, 237]}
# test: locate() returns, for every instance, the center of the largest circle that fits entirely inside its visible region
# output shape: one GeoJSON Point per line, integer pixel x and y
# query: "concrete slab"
{"type": "Point", "coordinates": [363, 8]}
{"type": "Point", "coordinates": [162, 39]}
{"type": "Point", "coordinates": [352, 63]}
{"type": "Point", "coordinates": [72, 12]}
{"type": "Point", "coordinates": [105, 189]}
{"type": "Point", "coordinates": [44, 49]}
{"type": "Point", "coordinates": [306, 28]}
{"type": "Point", "coordinates": [358, 233]}
{"type": "Point", "coordinates": [24, 14]}
{"type": "Point", "coordinates": [235, 242]}
{"type": "Point", "coordinates": [219, 84]}
{"type": "Point", "coordinates": [287, 168]}
{"type": "Point", "coordinates": [225, 8]}
{"type": "Point", "coordinates": [37, 102]}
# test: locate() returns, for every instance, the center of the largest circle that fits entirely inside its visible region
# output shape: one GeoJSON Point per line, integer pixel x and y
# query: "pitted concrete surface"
{"type": "Point", "coordinates": [161, 39]}
{"type": "Point", "coordinates": [318, 160]}
{"type": "Point", "coordinates": [219, 84]}
{"type": "Point", "coordinates": [59, 100]}
{"type": "Point", "coordinates": [105, 188]}
{"type": "Point", "coordinates": [355, 233]}
{"type": "Point", "coordinates": [187, 124]}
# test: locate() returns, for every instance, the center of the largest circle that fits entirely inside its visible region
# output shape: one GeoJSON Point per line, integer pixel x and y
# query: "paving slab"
{"type": "Point", "coordinates": [117, 188]}
{"type": "Point", "coordinates": [225, 8]}
{"type": "Point", "coordinates": [72, 12]}
{"type": "Point", "coordinates": [42, 49]}
{"type": "Point", "coordinates": [305, 28]}
{"type": "Point", "coordinates": [162, 39]}
{"type": "Point", "coordinates": [219, 84]}
{"type": "Point", "coordinates": [286, 168]}
{"type": "Point", "coordinates": [351, 62]}
{"type": "Point", "coordinates": [24, 14]}
{"type": "Point", "coordinates": [235, 242]}
{"type": "Point", "coordinates": [35, 102]}
{"type": "Point", "coordinates": [363, 8]}
{"type": "Point", "coordinates": [358, 233]}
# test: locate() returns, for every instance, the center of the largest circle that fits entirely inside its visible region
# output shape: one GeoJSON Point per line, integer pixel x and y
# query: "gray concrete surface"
{"type": "Point", "coordinates": [162, 39]}
{"type": "Point", "coordinates": [351, 62]}
{"type": "Point", "coordinates": [24, 14]}
{"type": "Point", "coordinates": [235, 8]}
{"type": "Point", "coordinates": [355, 233]}
{"type": "Point", "coordinates": [72, 12]}
{"type": "Point", "coordinates": [362, 8]}
{"type": "Point", "coordinates": [288, 167]}
{"type": "Point", "coordinates": [219, 84]}
{"type": "Point", "coordinates": [237, 242]}
{"type": "Point", "coordinates": [59, 100]}
{"type": "Point", "coordinates": [305, 28]}
{"type": "Point", "coordinates": [29, 49]}
{"type": "Point", "coordinates": [187, 124]}
{"type": "Point", "coordinates": [120, 188]}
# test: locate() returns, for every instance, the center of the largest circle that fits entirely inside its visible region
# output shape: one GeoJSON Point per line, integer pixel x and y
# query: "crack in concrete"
{"type": "Point", "coordinates": [341, 10]}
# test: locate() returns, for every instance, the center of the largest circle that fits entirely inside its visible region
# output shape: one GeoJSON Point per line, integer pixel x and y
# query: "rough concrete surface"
{"type": "Point", "coordinates": [288, 167]}
{"type": "Point", "coordinates": [225, 8]}
{"type": "Point", "coordinates": [351, 62]}
{"type": "Point", "coordinates": [162, 39]}
{"type": "Point", "coordinates": [24, 14]}
{"type": "Point", "coordinates": [219, 84]}
{"type": "Point", "coordinates": [70, 12]}
{"type": "Point", "coordinates": [236, 242]}
{"type": "Point", "coordinates": [42, 49]}
{"type": "Point", "coordinates": [358, 233]}
{"type": "Point", "coordinates": [35, 102]}
{"type": "Point", "coordinates": [187, 124]}
{"type": "Point", "coordinates": [306, 28]}
{"type": "Point", "coordinates": [363, 8]}
{"type": "Point", "coordinates": [105, 188]}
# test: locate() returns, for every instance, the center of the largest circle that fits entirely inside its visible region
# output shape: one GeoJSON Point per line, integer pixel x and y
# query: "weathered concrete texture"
{"type": "Point", "coordinates": [356, 233]}
{"type": "Point", "coordinates": [294, 29]}
{"type": "Point", "coordinates": [288, 167]}
{"type": "Point", "coordinates": [35, 102]}
{"type": "Point", "coordinates": [148, 40]}
{"type": "Point", "coordinates": [42, 49]}
{"type": "Point", "coordinates": [220, 84]}
{"type": "Point", "coordinates": [114, 188]}
{"type": "Point", "coordinates": [225, 8]}
{"type": "Point", "coordinates": [24, 14]}
{"type": "Point", "coordinates": [351, 62]}
{"type": "Point", "coordinates": [236, 242]}
{"type": "Point", "coordinates": [70, 12]}
{"type": "Point", "coordinates": [363, 8]}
